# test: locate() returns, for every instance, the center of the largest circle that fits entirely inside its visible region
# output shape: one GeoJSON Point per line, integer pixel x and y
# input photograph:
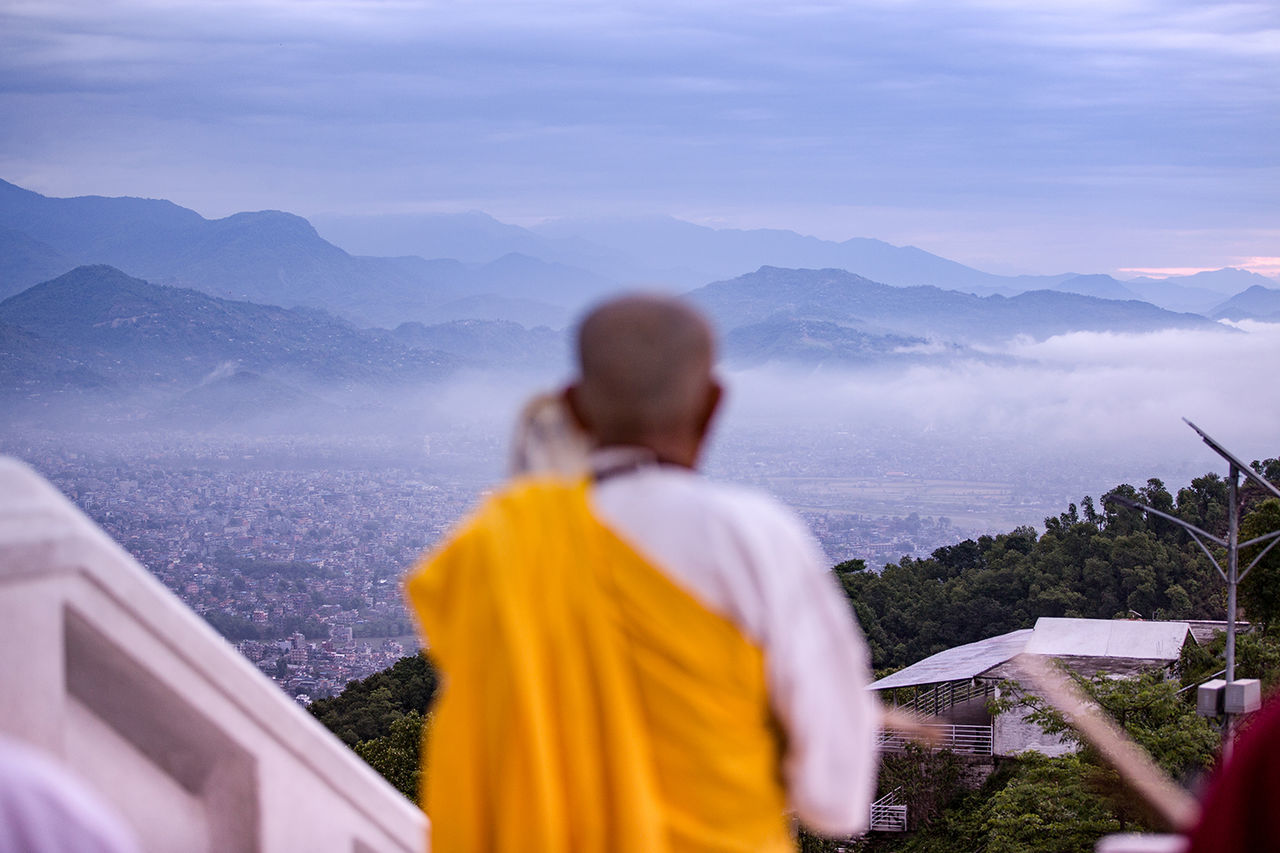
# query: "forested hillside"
{"type": "Point", "coordinates": [1092, 561]}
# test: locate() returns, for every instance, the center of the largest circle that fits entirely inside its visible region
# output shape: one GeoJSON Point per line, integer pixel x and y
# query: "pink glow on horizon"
{"type": "Point", "coordinates": [1165, 272]}
{"type": "Point", "coordinates": [1260, 265]}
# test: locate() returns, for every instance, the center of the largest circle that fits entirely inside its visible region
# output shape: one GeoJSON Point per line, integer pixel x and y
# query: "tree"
{"type": "Point", "coordinates": [396, 756]}
{"type": "Point", "coordinates": [367, 709]}
{"type": "Point", "coordinates": [1151, 711]}
{"type": "Point", "coordinates": [1260, 590]}
{"type": "Point", "coordinates": [1047, 807]}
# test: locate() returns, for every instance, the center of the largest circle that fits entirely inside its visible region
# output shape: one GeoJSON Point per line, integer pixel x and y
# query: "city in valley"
{"type": "Point", "coordinates": [294, 546]}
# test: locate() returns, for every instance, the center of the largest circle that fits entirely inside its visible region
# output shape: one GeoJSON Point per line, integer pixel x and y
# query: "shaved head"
{"type": "Point", "coordinates": [645, 372]}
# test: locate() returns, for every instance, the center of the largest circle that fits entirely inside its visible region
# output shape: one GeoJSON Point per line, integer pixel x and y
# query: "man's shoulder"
{"type": "Point", "coordinates": [688, 498]}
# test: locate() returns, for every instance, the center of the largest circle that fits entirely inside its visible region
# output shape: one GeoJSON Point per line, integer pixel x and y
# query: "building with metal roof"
{"type": "Point", "coordinates": [955, 686]}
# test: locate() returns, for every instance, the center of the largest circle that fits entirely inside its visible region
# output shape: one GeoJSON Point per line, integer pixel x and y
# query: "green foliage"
{"type": "Point", "coordinates": [1035, 803]}
{"type": "Point", "coordinates": [1088, 563]}
{"type": "Point", "coordinates": [1047, 807]}
{"type": "Point", "coordinates": [396, 756]}
{"type": "Point", "coordinates": [366, 710]}
{"type": "Point", "coordinates": [1260, 590]}
{"type": "Point", "coordinates": [1150, 710]}
{"type": "Point", "coordinates": [1257, 656]}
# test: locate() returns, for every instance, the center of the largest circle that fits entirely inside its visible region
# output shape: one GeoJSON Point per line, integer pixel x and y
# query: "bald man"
{"type": "Point", "coordinates": [641, 659]}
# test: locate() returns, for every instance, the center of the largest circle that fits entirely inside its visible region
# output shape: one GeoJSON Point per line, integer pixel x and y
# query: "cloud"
{"type": "Point", "coordinates": [222, 371]}
{"type": "Point", "coordinates": [1088, 396]}
{"type": "Point", "coordinates": [1262, 266]}
{"type": "Point", "coordinates": [1057, 124]}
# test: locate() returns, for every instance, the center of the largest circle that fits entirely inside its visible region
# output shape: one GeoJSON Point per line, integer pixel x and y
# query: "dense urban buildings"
{"type": "Point", "coordinates": [294, 547]}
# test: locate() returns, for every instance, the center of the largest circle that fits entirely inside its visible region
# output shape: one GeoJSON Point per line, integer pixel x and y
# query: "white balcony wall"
{"type": "Point", "coordinates": [104, 668]}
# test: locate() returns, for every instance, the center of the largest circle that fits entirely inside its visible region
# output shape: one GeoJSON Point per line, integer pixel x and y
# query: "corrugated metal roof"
{"type": "Point", "coordinates": [1108, 638]}
{"type": "Point", "coordinates": [1053, 636]}
{"type": "Point", "coordinates": [959, 663]}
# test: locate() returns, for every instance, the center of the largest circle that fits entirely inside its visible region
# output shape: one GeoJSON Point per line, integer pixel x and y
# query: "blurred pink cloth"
{"type": "Point", "coordinates": [1241, 808]}
{"type": "Point", "coordinates": [44, 808]}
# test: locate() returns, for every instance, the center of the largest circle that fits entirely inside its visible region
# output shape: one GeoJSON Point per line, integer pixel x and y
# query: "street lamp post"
{"type": "Point", "coordinates": [1232, 575]}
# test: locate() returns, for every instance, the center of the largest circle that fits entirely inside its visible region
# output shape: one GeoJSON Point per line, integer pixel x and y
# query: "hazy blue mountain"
{"type": "Point", "coordinates": [814, 342]}
{"type": "Point", "coordinates": [1169, 294]}
{"type": "Point", "coordinates": [1101, 286]}
{"type": "Point", "coordinates": [276, 258]}
{"type": "Point", "coordinates": [494, 343]}
{"type": "Point", "coordinates": [25, 261]}
{"type": "Point", "coordinates": [135, 333]}
{"type": "Point", "coordinates": [697, 253]}
{"type": "Point", "coordinates": [850, 300]}
{"type": "Point", "coordinates": [526, 312]}
{"type": "Point", "coordinates": [31, 365]}
{"type": "Point", "coordinates": [125, 232]}
{"type": "Point", "coordinates": [660, 251]}
{"type": "Point", "coordinates": [267, 257]}
{"type": "Point", "coordinates": [243, 399]}
{"type": "Point", "coordinates": [473, 237]}
{"type": "Point", "coordinates": [1255, 303]}
{"type": "Point", "coordinates": [519, 276]}
{"type": "Point", "coordinates": [1227, 281]}
{"type": "Point", "coordinates": [1201, 292]}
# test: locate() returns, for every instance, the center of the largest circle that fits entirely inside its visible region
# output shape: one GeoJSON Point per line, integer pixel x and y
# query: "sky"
{"type": "Point", "coordinates": [1011, 135]}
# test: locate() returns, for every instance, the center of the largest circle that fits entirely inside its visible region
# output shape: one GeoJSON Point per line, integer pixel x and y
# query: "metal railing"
{"type": "Point", "coordinates": [888, 815]}
{"type": "Point", "coordinates": [966, 740]}
{"type": "Point", "coordinates": [941, 697]}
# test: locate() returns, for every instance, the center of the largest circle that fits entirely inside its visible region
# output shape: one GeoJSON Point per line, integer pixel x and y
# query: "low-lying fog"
{"type": "Point", "coordinates": [1006, 439]}
{"type": "Point", "coordinates": [1082, 394]}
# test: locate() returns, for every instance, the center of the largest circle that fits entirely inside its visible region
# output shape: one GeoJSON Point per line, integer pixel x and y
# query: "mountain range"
{"type": "Point", "coordinates": [434, 267]}
{"type": "Point", "coordinates": [98, 329]}
{"type": "Point", "coordinates": [256, 311]}
{"type": "Point", "coordinates": [928, 313]}
{"type": "Point", "coordinates": [176, 355]}
{"type": "Point", "coordinates": [1255, 303]}
{"type": "Point", "coordinates": [268, 257]}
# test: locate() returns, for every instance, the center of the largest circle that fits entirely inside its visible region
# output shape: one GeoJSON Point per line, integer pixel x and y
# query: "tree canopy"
{"type": "Point", "coordinates": [1089, 562]}
{"type": "Point", "coordinates": [367, 709]}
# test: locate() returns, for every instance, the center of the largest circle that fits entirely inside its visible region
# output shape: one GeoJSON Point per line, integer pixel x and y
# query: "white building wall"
{"type": "Point", "coordinates": [105, 669]}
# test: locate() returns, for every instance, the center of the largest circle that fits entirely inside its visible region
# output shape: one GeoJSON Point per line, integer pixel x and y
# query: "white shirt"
{"type": "Point", "coordinates": [748, 558]}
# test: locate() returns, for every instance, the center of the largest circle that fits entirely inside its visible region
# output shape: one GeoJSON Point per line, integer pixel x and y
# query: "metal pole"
{"type": "Point", "coordinates": [1233, 567]}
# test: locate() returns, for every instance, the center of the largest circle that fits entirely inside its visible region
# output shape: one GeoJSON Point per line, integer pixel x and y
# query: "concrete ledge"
{"type": "Point", "coordinates": [104, 667]}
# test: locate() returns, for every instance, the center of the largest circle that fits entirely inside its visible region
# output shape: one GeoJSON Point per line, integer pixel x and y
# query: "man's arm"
{"type": "Point", "coordinates": [818, 670]}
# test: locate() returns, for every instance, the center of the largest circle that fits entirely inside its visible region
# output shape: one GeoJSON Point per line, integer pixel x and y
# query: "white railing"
{"type": "Point", "coordinates": [967, 740]}
{"type": "Point", "coordinates": [888, 815]}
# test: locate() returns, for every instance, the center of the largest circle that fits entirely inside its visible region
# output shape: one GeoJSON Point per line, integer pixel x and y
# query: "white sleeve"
{"type": "Point", "coordinates": [818, 670]}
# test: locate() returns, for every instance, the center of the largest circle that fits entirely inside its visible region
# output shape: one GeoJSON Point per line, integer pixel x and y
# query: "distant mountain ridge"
{"type": "Point", "coordinates": [132, 331]}
{"type": "Point", "coordinates": [856, 302]}
{"type": "Point", "coordinates": [97, 328]}
{"type": "Point", "coordinates": [1256, 303]}
{"type": "Point", "coordinates": [266, 257]}
{"type": "Point", "coordinates": [544, 275]}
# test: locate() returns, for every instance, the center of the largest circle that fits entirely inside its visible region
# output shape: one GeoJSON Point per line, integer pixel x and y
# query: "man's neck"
{"type": "Point", "coordinates": [616, 459]}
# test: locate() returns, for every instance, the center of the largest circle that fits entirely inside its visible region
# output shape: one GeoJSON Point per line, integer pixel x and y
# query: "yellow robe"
{"type": "Point", "coordinates": [589, 703]}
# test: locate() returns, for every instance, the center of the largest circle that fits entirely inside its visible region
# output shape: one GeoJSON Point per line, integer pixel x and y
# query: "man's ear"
{"type": "Point", "coordinates": [715, 394]}
{"type": "Point", "coordinates": [570, 397]}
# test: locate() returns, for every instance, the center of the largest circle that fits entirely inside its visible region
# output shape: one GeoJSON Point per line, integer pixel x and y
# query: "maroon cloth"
{"type": "Point", "coordinates": [1241, 808]}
